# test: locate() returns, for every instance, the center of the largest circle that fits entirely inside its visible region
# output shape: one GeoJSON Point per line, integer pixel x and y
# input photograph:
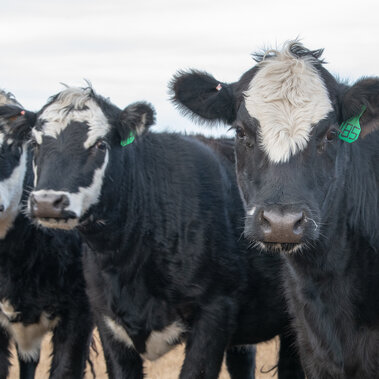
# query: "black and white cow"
{"type": "Point", "coordinates": [309, 182]}
{"type": "Point", "coordinates": [163, 218]}
{"type": "Point", "coordinates": [42, 286]}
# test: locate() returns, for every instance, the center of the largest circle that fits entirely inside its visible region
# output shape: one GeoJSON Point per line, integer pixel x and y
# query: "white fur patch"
{"type": "Point", "coordinates": [287, 96]}
{"type": "Point", "coordinates": [251, 211]}
{"type": "Point", "coordinates": [10, 195]}
{"type": "Point", "coordinates": [80, 201]}
{"type": "Point", "coordinates": [161, 342]}
{"type": "Point", "coordinates": [119, 333]}
{"type": "Point", "coordinates": [158, 342]}
{"type": "Point", "coordinates": [73, 104]}
{"type": "Point", "coordinates": [27, 337]}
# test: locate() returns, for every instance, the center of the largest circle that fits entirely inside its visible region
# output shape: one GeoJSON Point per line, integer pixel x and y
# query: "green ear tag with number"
{"type": "Point", "coordinates": [350, 129]}
{"type": "Point", "coordinates": [127, 141]}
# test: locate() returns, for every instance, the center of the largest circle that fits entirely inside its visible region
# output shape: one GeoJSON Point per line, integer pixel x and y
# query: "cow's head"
{"type": "Point", "coordinates": [73, 138]}
{"type": "Point", "coordinates": [13, 158]}
{"type": "Point", "coordinates": [292, 166]}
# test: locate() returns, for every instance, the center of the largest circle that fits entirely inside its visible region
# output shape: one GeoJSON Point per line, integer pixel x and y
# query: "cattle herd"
{"type": "Point", "coordinates": [162, 238]}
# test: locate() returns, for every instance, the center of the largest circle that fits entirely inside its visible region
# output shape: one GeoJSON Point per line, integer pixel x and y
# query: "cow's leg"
{"type": "Point", "coordinates": [208, 340]}
{"type": "Point", "coordinates": [289, 365]}
{"type": "Point", "coordinates": [28, 365]}
{"type": "Point", "coordinates": [71, 341]}
{"type": "Point", "coordinates": [121, 360]}
{"type": "Point", "coordinates": [240, 361]}
{"type": "Point", "coordinates": [4, 353]}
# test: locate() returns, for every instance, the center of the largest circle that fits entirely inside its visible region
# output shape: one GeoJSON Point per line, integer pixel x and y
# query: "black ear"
{"type": "Point", "coordinates": [365, 92]}
{"type": "Point", "coordinates": [203, 97]}
{"type": "Point", "coordinates": [136, 118]}
{"type": "Point", "coordinates": [16, 121]}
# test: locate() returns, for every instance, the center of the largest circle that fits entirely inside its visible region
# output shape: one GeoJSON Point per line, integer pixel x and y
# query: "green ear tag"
{"type": "Point", "coordinates": [127, 141]}
{"type": "Point", "coordinates": [351, 128]}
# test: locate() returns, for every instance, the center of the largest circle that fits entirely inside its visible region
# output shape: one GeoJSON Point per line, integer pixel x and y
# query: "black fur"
{"type": "Point", "coordinates": [165, 239]}
{"type": "Point", "coordinates": [332, 285]}
{"type": "Point", "coordinates": [41, 273]}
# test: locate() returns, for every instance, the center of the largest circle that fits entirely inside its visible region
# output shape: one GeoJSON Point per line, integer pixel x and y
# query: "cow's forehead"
{"type": "Point", "coordinates": [287, 96]}
{"type": "Point", "coordinates": [72, 105]}
{"type": "Point", "coordinates": [6, 98]}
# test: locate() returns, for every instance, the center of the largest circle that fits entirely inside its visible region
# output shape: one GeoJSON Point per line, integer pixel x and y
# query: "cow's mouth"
{"type": "Point", "coordinates": [57, 223]}
{"type": "Point", "coordinates": [276, 247]}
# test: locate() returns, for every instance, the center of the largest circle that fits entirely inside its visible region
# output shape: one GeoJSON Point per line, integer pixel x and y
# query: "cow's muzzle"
{"type": "Point", "coordinates": [50, 205]}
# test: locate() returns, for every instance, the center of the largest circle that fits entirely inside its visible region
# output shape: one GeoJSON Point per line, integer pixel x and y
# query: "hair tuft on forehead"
{"type": "Point", "coordinates": [7, 98]}
{"type": "Point", "coordinates": [291, 49]}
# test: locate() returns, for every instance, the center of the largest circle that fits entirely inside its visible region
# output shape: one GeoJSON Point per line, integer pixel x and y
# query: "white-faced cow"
{"type": "Point", "coordinates": [42, 286]}
{"type": "Point", "coordinates": [307, 150]}
{"type": "Point", "coordinates": [163, 218]}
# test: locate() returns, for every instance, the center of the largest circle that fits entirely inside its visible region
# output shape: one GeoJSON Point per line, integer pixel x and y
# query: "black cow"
{"type": "Point", "coordinates": [309, 182]}
{"type": "Point", "coordinates": [163, 218]}
{"type": "Point", "coordinates": [42, 286]}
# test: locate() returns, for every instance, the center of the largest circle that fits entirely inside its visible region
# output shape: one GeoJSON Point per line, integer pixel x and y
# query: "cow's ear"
{"type": "Point", "coordinates": [16, 121]}
{"type": "Point", "coordinates": [136, 118]}
{"type": "Point", "coordinates": [204, 98]}
{"type": "Point", "coordinates": [363, 94]}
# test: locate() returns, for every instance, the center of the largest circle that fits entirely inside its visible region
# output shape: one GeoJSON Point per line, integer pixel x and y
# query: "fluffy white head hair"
{"type": "Point", "coordinates": [287, 96]}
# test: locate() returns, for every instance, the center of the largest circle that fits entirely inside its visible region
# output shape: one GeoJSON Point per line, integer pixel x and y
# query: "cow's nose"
{"type": "Point", "coordinates": [48, 205]}
{"type": "Point", "coordinates": [281, 228]}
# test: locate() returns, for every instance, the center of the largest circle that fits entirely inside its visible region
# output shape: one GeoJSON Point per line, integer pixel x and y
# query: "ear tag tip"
{"type": "Point", "coordinates": [350, 129]}
{"type": "Point", "coordinates": [128, 141]}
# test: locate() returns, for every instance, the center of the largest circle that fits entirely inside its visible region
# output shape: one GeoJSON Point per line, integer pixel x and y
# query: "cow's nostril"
{"type": "Point", "coordinates": [299, 224]}
{"type": "Point", "coordinates": [264, 221]}
{"type": "Point", "coordinates": [61, 202]}
{"type": "Point", "coordinates": [1, 208]}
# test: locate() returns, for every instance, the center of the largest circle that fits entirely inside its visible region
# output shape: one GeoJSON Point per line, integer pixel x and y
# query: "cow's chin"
{"type": "Point", "coordinates": [276, 247]}
{"type": "Point", "coordinates": [58, 223]}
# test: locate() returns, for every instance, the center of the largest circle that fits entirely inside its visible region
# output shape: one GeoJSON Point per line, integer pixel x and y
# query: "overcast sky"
{"type": "Point", "coordinates": [130, 49]}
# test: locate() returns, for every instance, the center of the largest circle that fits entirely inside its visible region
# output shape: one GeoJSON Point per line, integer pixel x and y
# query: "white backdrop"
{"type": "Point", "coordinates": [129, 50]}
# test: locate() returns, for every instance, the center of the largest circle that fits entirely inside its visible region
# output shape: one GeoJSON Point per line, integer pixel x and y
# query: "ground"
{"type": "Point", "coordinates": [167, 367]}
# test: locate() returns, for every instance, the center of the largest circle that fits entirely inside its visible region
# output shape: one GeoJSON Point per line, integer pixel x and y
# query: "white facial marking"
{"type": "Point", "coordinates": [158, 342]}
{"type": "Point", "coordinates": [287, 96]}
{"type": "Point", "coordinates": [80, 201]}
{"type": "Point", "coordinates": [73, 104]}
{"type": "Point", "coordinates": [251, 211]}
{"type": "Point", "coordinates": [10, 195]}
{"type": "Point", "coordinates": [27, 337]}
{"type": "Point", "coordinates": [37, 134]}
{"type": "Point", "coordinates": [34, 167]}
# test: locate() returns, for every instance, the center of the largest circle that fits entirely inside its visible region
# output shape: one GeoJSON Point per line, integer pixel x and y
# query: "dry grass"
{"type": "Point", "coordinates": [167, 367]}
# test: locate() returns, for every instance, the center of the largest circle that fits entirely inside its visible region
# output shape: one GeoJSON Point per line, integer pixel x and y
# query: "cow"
{"type": "Point", "coordinates": [162, 217]}
{"type": "Point", "coordinates": [307, 152]}
{"type": "Point", "coordinates": [42, 286]}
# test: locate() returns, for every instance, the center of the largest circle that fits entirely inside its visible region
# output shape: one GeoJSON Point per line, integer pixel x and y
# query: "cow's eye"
{"type": "Point", "coordinates": [331, 135]}
{"type": "Point", "coordinates": [240, 133]}
{"type": "Point", "coordinates": [100, 145]}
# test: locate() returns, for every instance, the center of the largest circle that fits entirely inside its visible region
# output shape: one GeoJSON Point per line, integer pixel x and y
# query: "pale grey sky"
{"type": "Point", "coordinates": [130, 49]}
